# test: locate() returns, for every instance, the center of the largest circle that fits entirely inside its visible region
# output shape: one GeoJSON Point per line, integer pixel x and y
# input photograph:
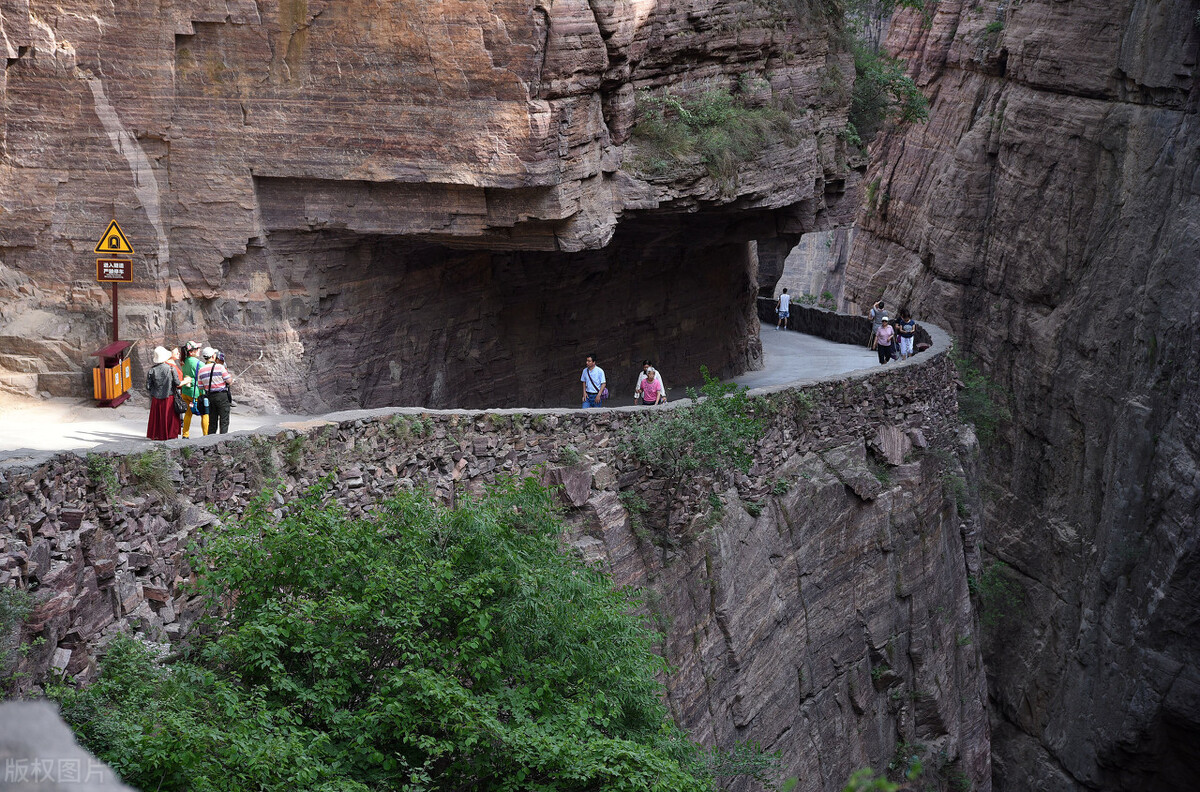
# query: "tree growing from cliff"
{"type": "Point", "coordinates": [417, 648]}
{"type": "Point", "coordinates": [981, 401]}
{"type": "Point", "coordinates": [882, 90]}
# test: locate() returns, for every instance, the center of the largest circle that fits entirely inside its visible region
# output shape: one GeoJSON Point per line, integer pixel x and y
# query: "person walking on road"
{"type": "Point", "coordinates": [162, 382]}
{"type": "Point", "coordinates": [637, 391]}
{"type": "Point", "coordinates": [594, 386]}
{"type": "Point", "coordinates": [906, 329]}
{"type": "Point", "coordinates": [883, 340]}
{"type": "Point", "coordinates": [876, 313]}
{"type": "Point", "coordinates": [782, 308]}
{"type": "Point", "coordinates": [214, 381]}
{"type": "Point", "coordinates": [652, 389]}
{"type": "Point", "coordinates": [191, 393]}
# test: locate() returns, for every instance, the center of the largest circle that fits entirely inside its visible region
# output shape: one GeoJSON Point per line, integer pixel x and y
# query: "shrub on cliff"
{"type": "Point", "coordinates": [419, 647]}
{"type": "Point", "coordinates": [882, 92]}
{"type": "Point", "coordinates": [981, 401]}
{"type": "Point", "coordinates": [717, 127]}
{"type": "Point", "coordinates": [718, 430]}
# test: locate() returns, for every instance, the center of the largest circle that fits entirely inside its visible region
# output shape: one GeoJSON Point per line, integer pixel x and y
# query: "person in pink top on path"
{"type": "Point", "coordinates": [883, 340]}
{"type": "Point", "coordinates": [652, 389]}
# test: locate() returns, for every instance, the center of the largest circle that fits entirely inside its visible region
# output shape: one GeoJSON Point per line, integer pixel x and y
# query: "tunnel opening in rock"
{"type": "Point", "coordinates": [363, 321]}
{"type": "Point", "coordinates": [811, 266]}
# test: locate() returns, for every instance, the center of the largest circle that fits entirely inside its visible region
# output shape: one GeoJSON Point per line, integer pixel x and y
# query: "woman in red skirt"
{"type": "Point", "coordinates": [163, 383]}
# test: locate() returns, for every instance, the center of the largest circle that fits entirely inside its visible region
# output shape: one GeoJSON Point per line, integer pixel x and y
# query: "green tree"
{"type": "Point", "coordinates": [882, 92]}
{"type": "Point", "coordinates": [717, 430]}
{"type": "Point", "coordinates": [416, 648]}
{"type": "Point", "coordinates": [981, 401]}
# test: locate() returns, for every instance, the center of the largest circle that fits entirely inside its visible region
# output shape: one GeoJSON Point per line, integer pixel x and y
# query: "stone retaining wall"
{"type": "Point", "coordinates": [834, 572]}
{"type": "Point", "coordinates": [103, 557]}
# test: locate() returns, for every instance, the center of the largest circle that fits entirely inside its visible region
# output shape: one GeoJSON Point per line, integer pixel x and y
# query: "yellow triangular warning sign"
{"type": "Point", "coordinates": [114, 241]}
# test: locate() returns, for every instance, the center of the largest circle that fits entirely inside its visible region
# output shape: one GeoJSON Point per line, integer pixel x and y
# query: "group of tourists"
{"type": "Point", "coordinates": [648, 392]}
{"type": "Point", "coordinates": [184, 382]}
{"type": "Point", "coordinates": [892, 340]}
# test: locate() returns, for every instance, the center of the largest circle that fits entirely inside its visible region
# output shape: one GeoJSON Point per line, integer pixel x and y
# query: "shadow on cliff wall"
{"type": "Point", "coordinates": [372, 321]}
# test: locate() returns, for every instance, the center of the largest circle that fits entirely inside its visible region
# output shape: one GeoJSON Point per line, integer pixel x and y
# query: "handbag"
{"type": "Point", "coordinates": [603, 391]}
{"type": "Point", "coordinates": [178, 405]}
{"type": "Point", "coordinates": [200, 401]}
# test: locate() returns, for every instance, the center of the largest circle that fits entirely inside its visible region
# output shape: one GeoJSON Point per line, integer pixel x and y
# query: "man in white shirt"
{"type": "Point", "coordinates": [593, 384]}
{"type": "Point", "coordinates": [637, 392]}
{"type": "Point", "coordinates": [782, 306]}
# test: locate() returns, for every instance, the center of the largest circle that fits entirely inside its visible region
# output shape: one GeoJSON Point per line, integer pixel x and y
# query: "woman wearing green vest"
{"type": "Point", "coordinates": [191, 367]}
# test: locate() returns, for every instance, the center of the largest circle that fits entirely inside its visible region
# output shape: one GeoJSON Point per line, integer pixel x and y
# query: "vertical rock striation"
{"type": "Point", "coordinates": [1047, 214]}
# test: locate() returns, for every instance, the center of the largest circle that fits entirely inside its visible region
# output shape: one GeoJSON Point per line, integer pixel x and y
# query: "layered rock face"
{"type": "Point", "coordinates": [1047, 214]}
{"type": "Point", "coordinates": [440, 172]}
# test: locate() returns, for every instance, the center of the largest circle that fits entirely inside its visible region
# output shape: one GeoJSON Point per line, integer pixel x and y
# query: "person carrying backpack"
{"type": "Point", "coordinates": [214, 381]}
{"type": "Point", "coordinates": [191, 393]}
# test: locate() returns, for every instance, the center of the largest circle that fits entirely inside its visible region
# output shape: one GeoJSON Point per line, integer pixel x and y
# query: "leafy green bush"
{"type": "Point", "coordinates": [419, 647]}
{"type": "Point", "coordinates": [293, 452]}
{"type": "Point", "coordinates": [717, 430]}
{"type": "Point", "coordinates": [865, 780]}
{"type": "Point", "coordinates": [633, 502]}
{"type": "Point", "coordinates": [103, 474]}
{"type": "Point", "coordinates": [997, 594]}
{"type": "Point", "coordinates": [850, 134]}
{"type": "Point", "coordinates": [882, 92]}
{"type": "Point", "coordinates": [15, 607]}
{"type": "Point", "coordinates": [717, 127]}
{"type": "Point", "coordinates": [981, 401]}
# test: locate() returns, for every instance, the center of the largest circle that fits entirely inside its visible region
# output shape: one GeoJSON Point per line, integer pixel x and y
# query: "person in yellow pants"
{"type": "Point", "coordinates": [191, 365]}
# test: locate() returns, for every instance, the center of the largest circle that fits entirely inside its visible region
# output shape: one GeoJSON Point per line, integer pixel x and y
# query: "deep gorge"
{"type": "Point", "coordinates": [1046, 216]}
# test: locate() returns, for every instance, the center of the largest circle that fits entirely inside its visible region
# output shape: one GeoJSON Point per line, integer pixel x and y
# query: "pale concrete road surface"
{"type": "Point", "coordinates": [792, 357]}
{"type": "Point", "coordinates": [31, 427]}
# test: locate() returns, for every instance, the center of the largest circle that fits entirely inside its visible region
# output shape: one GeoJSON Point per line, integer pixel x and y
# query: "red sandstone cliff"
{"type": "Point", "coordinates": [1047, 214]}
{"type": "Point", "coordinates": [392, 198]}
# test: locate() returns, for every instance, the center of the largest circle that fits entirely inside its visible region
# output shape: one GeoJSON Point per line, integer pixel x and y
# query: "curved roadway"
{"type": "Point", "coordinates": [33, 430]}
